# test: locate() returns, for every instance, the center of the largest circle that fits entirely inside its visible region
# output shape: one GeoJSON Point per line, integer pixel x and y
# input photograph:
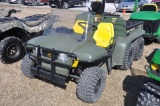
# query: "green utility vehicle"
{"type": "Point", "coordinates": [151, 17]}
{"type": "Point", "coordinates": [150, 94]}
{"type": "Point", "coordinates": [97, 39]}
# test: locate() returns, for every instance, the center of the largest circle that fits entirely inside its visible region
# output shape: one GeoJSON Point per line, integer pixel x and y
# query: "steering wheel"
{"type": "Point", "coordinates": [81, 24]}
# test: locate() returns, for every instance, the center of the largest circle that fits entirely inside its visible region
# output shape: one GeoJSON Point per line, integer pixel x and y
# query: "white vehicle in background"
{"type": "Point", "coordinates": [128, 5]}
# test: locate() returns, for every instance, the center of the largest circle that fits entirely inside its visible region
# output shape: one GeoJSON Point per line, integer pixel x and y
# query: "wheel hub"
{"type": "Point", "coordinates": [12, 51]}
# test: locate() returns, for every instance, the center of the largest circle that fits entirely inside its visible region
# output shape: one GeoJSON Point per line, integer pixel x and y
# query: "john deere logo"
{"type": "Point", "coordinates": [49, 55]}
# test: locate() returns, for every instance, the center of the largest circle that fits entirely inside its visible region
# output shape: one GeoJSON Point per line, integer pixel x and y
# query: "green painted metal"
{"type": "Point", "coordinates": [156, 60]}
{"type": "Point", "coordinates": [122, 44]}
{"type": "Point", "coordinates": [145, 15]}
{"type": "Point", "coordinates": [135, 5]}
{"type": "Point", "coordinates": [156, 57]}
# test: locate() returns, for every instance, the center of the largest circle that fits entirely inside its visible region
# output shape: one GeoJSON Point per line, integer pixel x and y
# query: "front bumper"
{"type": "Point", "coordinates": [49, 73]}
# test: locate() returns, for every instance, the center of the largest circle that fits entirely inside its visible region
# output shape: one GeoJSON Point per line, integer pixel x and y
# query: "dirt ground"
{"type": "Point", "coordinates": [16, 90]}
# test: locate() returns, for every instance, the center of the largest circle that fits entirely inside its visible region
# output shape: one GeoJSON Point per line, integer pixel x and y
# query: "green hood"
{"type": "Point", "coordinates": [156, 57]}
{"type": "Point", "coordinates": [62, 43]}
{"type": "Point", "coordinates": [145, 15]}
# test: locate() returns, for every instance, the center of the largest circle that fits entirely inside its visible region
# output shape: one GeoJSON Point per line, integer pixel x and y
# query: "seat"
{"type": "Point", "coordinates": [77, 28]}
{"type": "Point", "coordinates": [34, 20]}
{"type": "Point", "coordinates": [150, 7]}
{"type": "Point", "coordinates": [104, 35]}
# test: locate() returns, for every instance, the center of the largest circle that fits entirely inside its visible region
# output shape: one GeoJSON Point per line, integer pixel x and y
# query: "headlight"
{"type": "Point", "coordinates": [155, 67]}
{"type": "Point", "coordinates": [63, 57]}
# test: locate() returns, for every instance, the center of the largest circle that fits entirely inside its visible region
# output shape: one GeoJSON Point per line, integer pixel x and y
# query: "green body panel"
{"type": "Point", "coordinates": [156, 57]}
{"type": "Point", "coordinates": [121, 46]}
{"type": "Point", "coordinates": [152, 75]}
{"type": "Point", "coordinates": [156, 60]}
{"type": "Point", "coordinates": [135, 5]}
{"type": "Point", "coordinates": [62, 43]}
{"type": "Point", "coordinates": [90, 53]}
{"type": "Point", "coordinates": [145, 15]}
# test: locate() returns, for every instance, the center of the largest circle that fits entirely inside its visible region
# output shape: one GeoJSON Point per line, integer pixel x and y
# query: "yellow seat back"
{"type": "Point", "coordinates": [150, 7]}
{"type": "Point", "coordinates": [104, 35]}
{"type": "Point", "coordinates": [77, 28]}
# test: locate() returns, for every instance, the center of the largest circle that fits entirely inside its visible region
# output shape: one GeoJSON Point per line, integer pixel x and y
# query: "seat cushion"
{"type": "Point", "coordinates": [34, 20]}
{"type": "Point", "coordinates": [104, 35]}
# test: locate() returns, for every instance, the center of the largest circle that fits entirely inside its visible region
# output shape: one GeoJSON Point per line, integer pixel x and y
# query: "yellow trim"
{"type": "Point", "coordinates": [75, 63]}
{"type": "Point", "coordinates": [151, 5]}
{"type": "Point", "coordinates": [154, 67]}
{"type": "Point", "coordinates": [78, 29]}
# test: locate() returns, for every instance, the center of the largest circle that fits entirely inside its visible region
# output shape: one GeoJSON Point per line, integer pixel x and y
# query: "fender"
{"type": "Point", "coordinates": [122, 44]}
{"type": "Point", "coordinates": [7, 25]}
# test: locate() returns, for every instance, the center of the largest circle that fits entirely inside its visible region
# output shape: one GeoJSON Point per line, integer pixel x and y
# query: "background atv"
{"type": "Point", "coordinates": [151, 17]}
{"type": "Point", "coordinates": [150, 94]}
{"type": "Point", "coordinates": [14, 31]}
{"type": "Point", "coordinates": [79, 53]}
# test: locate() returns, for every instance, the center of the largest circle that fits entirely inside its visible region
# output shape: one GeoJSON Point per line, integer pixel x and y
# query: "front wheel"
{"type": "Point", "coordinates": [91, 84]}
{"type": "Point", "coordinates": [26, 65]}
{"type": "Point", "coordinates": [11, 50]}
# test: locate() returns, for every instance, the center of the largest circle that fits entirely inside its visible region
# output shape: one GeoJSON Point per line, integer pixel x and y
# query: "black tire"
{"type": "Point", "coordinates": [139, 47]}
{"type": "Point", "coordinates": [83, 4]}
{"type": "Point", "coordinates": [65, 5]}
{"type": "Point", "coordinates": [91, 84]}
{"type": "Point", "coordinates": [11, 50]}
{"type": "Point", "coordinates": [25, 4]}
{"type": "Point", "coordinates": [147, 98]}
{"type": "Point", "coordinates": [34, 3]}
{"type": "Point", "coordinates": [25, 66]}
{"type": "Point", "coordinates": [72, 5]}
{"type": "Point", "coordinates": [128, 59]}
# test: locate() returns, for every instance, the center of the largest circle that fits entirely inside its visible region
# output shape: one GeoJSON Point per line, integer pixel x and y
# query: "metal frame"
{"type": "Point", "coordinates": [41, 71]}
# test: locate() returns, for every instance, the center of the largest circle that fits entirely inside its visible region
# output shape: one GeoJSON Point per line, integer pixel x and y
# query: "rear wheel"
{"type": "Point", "coordinates": [91, 84]}
{"type": "Point", "coordinates": [139, 47]}
{"type": "Point", "coordinates": [65, 5]}
{"type": "Point", "coordinates": [11, 50]}
{"type": "Point", "coordinates": [26, 65]}
{"type": "Point", "coordinates": [128, 59]}
{"type": "Point", "coordinates": [147, 98]}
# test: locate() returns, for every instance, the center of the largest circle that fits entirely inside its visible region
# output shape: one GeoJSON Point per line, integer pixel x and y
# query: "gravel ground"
{"type": "Point", "coordinates": [16, 90]}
